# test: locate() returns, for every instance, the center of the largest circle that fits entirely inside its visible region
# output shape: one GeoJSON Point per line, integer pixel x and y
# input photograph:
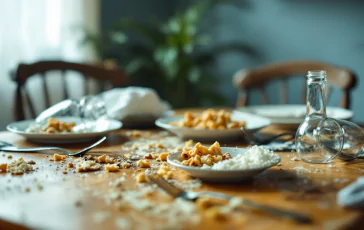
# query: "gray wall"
{"type": "Point", "coordinates": [325, 30]}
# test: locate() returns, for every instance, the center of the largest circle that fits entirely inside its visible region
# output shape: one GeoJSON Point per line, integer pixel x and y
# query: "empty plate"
{"type": "Point", "coordinates": [220, 175]}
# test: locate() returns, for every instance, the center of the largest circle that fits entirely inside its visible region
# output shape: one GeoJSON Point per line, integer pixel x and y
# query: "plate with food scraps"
{"type": "Point", "coordinates": [244, 164]}
{"type": "Point", "coordinates": [205, 127]}
{"type": "Point", "coordinates": [62, 130]}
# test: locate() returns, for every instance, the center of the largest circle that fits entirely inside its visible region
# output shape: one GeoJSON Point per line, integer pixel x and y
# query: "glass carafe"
{"type": "Point", "coordinates": [306, 136]}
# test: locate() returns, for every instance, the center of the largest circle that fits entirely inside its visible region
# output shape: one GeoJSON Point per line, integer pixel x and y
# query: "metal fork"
{"type": "Point", "coordinates": [192, 196]}
{"type": "Point", "coordinates": [7, 147]}
{"type": "Point", "coordinates": [252, 139]}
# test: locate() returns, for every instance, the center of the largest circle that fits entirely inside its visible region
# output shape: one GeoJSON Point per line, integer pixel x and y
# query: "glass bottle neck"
{"type": "Point", "coordinates": [316, 95]}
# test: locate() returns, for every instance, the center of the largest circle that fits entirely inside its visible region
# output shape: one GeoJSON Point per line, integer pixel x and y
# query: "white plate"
{"type": "Point", "coordinates": [220, 175]}
{"type": "Point", "coordinates": [292, 114]}
{"type": "Point", "coordinates": [253, 123]}
{"type": "Point", "coordinates": [101, 128]}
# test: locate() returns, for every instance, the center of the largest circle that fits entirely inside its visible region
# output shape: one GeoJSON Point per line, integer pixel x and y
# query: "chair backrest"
{"type": "Point", "coordinates": [258, 78]}
{"type": "Point", "coordinates": [111, 77]}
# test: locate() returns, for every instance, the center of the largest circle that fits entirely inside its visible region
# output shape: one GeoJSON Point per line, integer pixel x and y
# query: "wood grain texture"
{"type": "Point", "coordinates": [342, 78]}
{"type": "Point", "coordinates": [294, 185]}
{"type": "Point", "coordinates": [116, 76]}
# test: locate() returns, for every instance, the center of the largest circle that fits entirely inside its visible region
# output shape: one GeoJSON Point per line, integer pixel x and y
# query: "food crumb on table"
{"type": "Point", "coordinates": [87, 166]}
{"type": "Point", "coordinates": [3, 167]}
{"type": "Point", "coordinates": [19, 167]}
{"type": "Point", "coordinates": [57, 157]}
{"type": "Point", "coordinates": [112, 168]}
{"type": "Point", "coordinates": [140, 177]}
{"type": "Point", "coordinates": [69, 165]}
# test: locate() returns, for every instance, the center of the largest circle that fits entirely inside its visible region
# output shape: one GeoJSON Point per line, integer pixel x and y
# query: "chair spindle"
{"type": "Point", "coordinates": [264, 95]}
{"type": "Point", "coordinates": [284, 93]}
{"type": "Point", "coordinates": [64, 83]}
{"type": "Point", "coordinates": [85, 85]}
{"type": "Point", "coordinates": [45, 90]}
{"type": "Point", "coordinates": [29, 102]}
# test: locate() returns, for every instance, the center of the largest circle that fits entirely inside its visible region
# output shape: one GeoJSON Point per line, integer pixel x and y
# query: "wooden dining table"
{"type": "Point", "coordinates": [49, 198]}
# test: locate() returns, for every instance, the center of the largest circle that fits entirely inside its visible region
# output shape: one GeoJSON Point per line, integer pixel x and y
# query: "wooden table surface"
{"type": "Point", "coordinates": [49, 199]}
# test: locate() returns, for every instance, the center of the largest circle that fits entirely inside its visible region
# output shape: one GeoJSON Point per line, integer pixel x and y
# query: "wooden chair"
{"type": "Point", "coordinates": [110, 77]}
{"type": "Point", "coordinates": [258, 78]}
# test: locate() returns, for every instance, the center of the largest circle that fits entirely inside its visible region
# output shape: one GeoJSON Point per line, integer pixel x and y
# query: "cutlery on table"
{"type": "Point", "coordinates": [256, 140]}
{"type": "Point", "coordinates": [192, 196]}
{"type": "Point", "coordinates": [7, 147]}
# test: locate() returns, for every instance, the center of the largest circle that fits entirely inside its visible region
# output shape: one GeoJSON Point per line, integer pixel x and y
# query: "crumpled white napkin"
{"type": "Point", "coordinates": [134, 101]}
{"type": "Point", "coordinates": [352, 196]}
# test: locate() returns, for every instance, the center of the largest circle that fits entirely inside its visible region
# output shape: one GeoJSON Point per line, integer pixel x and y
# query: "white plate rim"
{"type": "Point", "coordinates": [291, 120]}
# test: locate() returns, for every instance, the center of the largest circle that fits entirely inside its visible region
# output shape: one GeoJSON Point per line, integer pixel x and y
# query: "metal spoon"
{"type": "Point", "coordinates": [10, 148]}
{"type": "Point", "coordinates": [265, 140]}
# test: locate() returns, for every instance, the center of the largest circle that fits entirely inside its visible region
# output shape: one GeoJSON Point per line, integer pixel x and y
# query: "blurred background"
{"type": "Point", "coordinates": [187, 50]}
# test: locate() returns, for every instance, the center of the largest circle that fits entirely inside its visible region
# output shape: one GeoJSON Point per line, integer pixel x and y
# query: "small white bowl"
{"type": "Point", "coordinates": [225, 176]}
{"type": "Point", "coordinates": [253, 124]}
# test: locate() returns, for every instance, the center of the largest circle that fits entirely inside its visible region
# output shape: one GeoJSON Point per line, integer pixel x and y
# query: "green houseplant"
{"type": "Point", "coordinates": [170, 57]}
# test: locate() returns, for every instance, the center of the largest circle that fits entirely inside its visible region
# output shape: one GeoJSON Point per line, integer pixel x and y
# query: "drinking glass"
{"type": "Point", "coordinates": [340, 138]}
{"type": "Point", "coordinates": [88, 108]}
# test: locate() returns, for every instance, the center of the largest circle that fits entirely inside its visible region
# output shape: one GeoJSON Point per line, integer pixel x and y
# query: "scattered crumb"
{"type": "Point", "coordinates": [112, 168]}
{"type": "Point", "coordinates": [69, 165]}
{"type": "Point", "coordinates": [101, 159]}
{"type": "Point", "coordinates": [163, 156]}
{"type": "Point", "coordinates": [40, 187]}
{"type": "Point", "coordinates": [135, 133]}
{"type": "Point", "coordinates": [27, 189]}
{"type": "Point", "coordinates": [19, 167]}
{"type": "Point", "coordinates": [140, 177]}
{"type": "Point", "coordinates": [127, 155]}
{"type": "Point", "coordinates": [87, 166]}
{"type": "Point", "coordinates": [143, 164]}
{"type": "Point", "coordinates": [126, 165]}
{"type": "Point", "coordinates": [31, 162]}
{"type": "Point", "coordinates": [3, 167]}
{"type": "Point", "coordinates": [78, 203]}
{"type": "Point", "coordinates": [178, 149]}
{"type": "Point", "coordinates": [57, 157]}
{"type": "Point", "coordinates": [159, 145]}
{"type": "Point", "coordinates": [295, 159]}
{"type": "Point", "coordinates": [10, 156]}
{"type": "Point", "coordinates": [105, 159]}
{"type": "Point", "coordinates": [148, 156]}
{"type": "Point", "coordinates": [215, 213]}
{"type": "Point", "coordinates": [189, 143]}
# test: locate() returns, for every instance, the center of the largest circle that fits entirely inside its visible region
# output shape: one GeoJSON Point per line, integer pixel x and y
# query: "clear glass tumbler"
{"type": "Point", "coordinates": [340, 138]}
{"type": "Point", "coordinates": [88, 108]}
